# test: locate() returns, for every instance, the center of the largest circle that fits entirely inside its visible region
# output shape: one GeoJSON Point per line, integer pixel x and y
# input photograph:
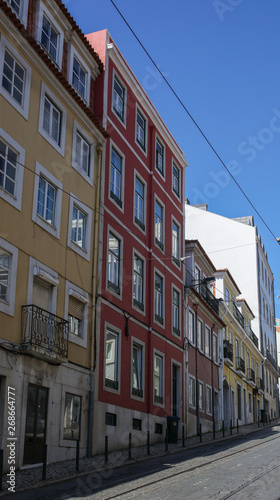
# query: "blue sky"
{"type": "Point", "coordinates": [222, 58]}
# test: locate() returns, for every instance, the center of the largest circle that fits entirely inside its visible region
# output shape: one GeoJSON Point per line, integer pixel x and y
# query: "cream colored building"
{"type": "Point", "coordinates": [50, 165]}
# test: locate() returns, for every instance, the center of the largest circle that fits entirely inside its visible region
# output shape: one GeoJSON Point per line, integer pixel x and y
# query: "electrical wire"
{"type": "Point", "coordinates": [192, 118]}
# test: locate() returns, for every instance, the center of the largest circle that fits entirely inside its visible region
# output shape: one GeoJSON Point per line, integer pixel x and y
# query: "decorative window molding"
{"type": "Point", "coordinates": [141, 130]}
{"type": "Point", "coordinates": [48, 276]}
{"type": "Point", "coordinates": [159, 298]}
{"type": "Point", "coordinates": [158, 378]}
{"type": "Point", "coordinates": [116, 178]}
{"type": "Point", "coordinates": [15, 78]}
{"type": "Point", "coordinates": [112, 359]}
{"type": "Point", "coordinates": [8, 276]}
{"type": "Point", "coordinates": [159, 233]}
{"type": "Point", "coordinates": [137, 369]}
{"type": "Point", "coordinates": [140, 196]}
{"type": "Point", "coordinates": [79, 227]}
{"type": "Point", "coordinates": [139, 282]}
{"type": "Point", "coordinates": [12, 192]}
{"type": "Point", "coordinates": [52, 119]}
{"type": "Point", "coordinates": [176, 180]}
{"type": "Point", "coordinates": [114, 265]}
{"type": "Point", "coordinates": [20, 8]}
{"type": "Point", "coordinates": [119, 98]}
{"type": "Point", "coordinates": [83, 153]}
{"type": "Point", "coordinates": [79, 74]}
{"type": "Point", "coordinates": [176, 311]}
{"type": "Point", "coordinates": [79, 296]}
{"type": "Point", "coordinates": [44, 174]}
{"type": "Point", "coordinates": [49, 34]}
{"type": "Point", "coordinates": [160, 157]}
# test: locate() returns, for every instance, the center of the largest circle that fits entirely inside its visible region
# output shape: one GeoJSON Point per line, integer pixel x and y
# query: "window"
{"type": "Point", "coordinates": [250, 401]}
{"type": "Point", "coordinates": [20, 7]}
{"type": "Point", "coordinates": [137, 424]}
{"type": "Point", "coordinates": [83, 153]}
{"type": "Point", "coordinates": [12, 157]}
{"type": "Point", "coordinates": [176, 311]}
{"type": "Point", "coordinates": [191, 328]}
{"type": "Point", "coordinates": [227, 296]}
{"type": "Point", "coordinates": [159, 157]}
{"type": "Point", "coordinates": [159, 226]}
{"type": "Point", "coordinates": [47, 201]}
{"type": "Point", "coordinates": [72, 416]}
{"type": "Point", "coordinates": [200, 396]}
{"type": "Point", "coordinates": [191, 391]}
{"type": "Point", "coordinates": [111, 419]}
{"type": "Point", "coordinates": [197, 279]}
{"type": "Point", "coordinates": [138, 283]}
{"type": "Point", "coordinates": [119, 99]}
{"type": "Point", "coordinates": [76, 309]}
{"type": "Point", "coordinates": [116, 177]}
{"type": "Point", "coordinates": [79, 227]}
{"type": "Point", "coordinates": [52, 119]}
{"type": "Point", "coordinates": [208, 400]}
{"type": "Point", "coordinates": [79, 77]}
{"type": "Point", "coordinates": [207, 341]}
{"type": "Point", "coordinates": [78, 233]}
{"type": "Point", "coordinates": [8, 273]}
{"type": "Point", "coordinates": [114, 263]}
{"type": "Point", "coordinates": [215, 349]}
{"type": "Point", "coordinates": [158, 379]}
{"type": "Point", "coordinates": [15, 78]}
{"type": "Point", "coordinates": [158, 298]}
{"type": "Point", "coordinates": [175, 179]}
{"type": "Point", "coordinates": [111, 368]}
{"type": "Point", "coordinates": [200, 339]}
{"type": "Point", "coordinates": [141, 130]}
{"type": "Point", "coordinates": [139, 203]}
{"type": "Point", "coordinates": [158, 428]}
{"type": "Point", "coordinates": [50, 38]}
{"type": "Point", "coordinates": [15, 4]}
{"type": "Point", "coordinates": [137, 370]}
{"type": "Point", "coordinates": [175, 243]}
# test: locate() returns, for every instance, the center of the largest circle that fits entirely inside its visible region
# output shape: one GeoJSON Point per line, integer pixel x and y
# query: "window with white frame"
{"type": "Point", "coordinates": [201, 396]}
{"type": "Point", "coordinates": [52, 119]}
{"type": "Point", "coordinates": [227, 297]}
{"type": "Point", "coordinates": [176, 311]}
{"type": "Point", "coordinates": [141, 130]}
{"type": "Point", "coordinates": [191, 391]}
{"type": "Point", "coordinates": [79, 77]}
{"type": "Point", "coordinates": [114, 248]}
{"type": "Point", "coordinates": [158, 298]}
{"type": "Point", "coordinates": [137, 370]}
{"type": "Point", "coordinates": [138, 282]}
{"type": "Point", "coordinates": [215, 349]}
{"type": "Point", "coordinates": [191, 327]}
{"type": "Point", "coordinates": [200, 336]}
{"type": "Point", "coordinates": [159, 225]}
{"type": "Point", "coordinates": [20, 7]}
{"type": "Point", "coordinates": [139, 203]}
{"type": "Point", "coordinates": [15, 78]}
{"type": "Point", "coordinates": [116, 177]}
{"type": "Point", "coordinates": [158, 379]}
{"type": "Point", "coordinates": [8, 272]}
{"type": "Point", "coordinates": [119, 98]}
{"type": "Point", "coordinates": [79, 227]}
{"type": "Point", "coordinates": [47, 201]}
{"type": "Point", "coordinates": [208, 400]}
{"type": "Point", "coordinates": [72, 416]}
{"type": "Point", "coordinates": [197, 278]}
{"type": "Point", "coordinates": [160, 157]}
{"type": "Point", "coordinates": [175, 179]}
{"type": "Point", "coordinates": [76, 309]}
{"type": "Point", "coordinates": [83, 153]}
{"type": "Point", "coordinates": [12, 157]}
{"type": "Point", "coordinates": [111, 360]}
{"type": "Point", "coordinates": [207, 341]}
{"type": "Point", "coordinates": [175, 243]}
{"type": "Point", "coordinates": [50, 38]}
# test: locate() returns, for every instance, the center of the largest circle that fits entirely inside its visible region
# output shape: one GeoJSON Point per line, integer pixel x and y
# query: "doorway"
{"type": "Point", "coordinates": [35, 428]}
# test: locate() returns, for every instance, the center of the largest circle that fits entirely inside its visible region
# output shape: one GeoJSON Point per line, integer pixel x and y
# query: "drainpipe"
{"type": "Point", "coordinates": [196, 373]}
{"type": "Point", "coordinates": [222, 371]}
{"type": "Point", "coordinates": [92, 346]}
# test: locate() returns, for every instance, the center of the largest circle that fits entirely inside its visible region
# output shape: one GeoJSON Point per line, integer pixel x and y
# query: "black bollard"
{"type": "Point", "coordinates": [106, 450]}
{"type": "Point", "coordinates": [183, 435]}
{"type": "Point", "coordinates": [1, 469]}
{"type": "Point", "coordinates": [166, 439]}
{"type": "Point", "coordinates": [223, 428]}
{"type": "Point", "coordinates": [230, 426]}
{"type": "Point", "coordinates": [129, 446]}
{"type": "Point", "coordinates": [77, 455]}
{"type": "Point", "coordinates": [214, 430]}
{"type": "Point", "coordinates": [200, 433]}
{"type": "Point", "coordinates": [148, 442]}
{"type": "Point", "coordinates": [45, 452]}
{"type": "Point", "coordinates": [237, 425]}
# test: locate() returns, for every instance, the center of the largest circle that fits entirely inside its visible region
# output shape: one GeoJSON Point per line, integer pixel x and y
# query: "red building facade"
{"type": "Point", "coordinates": [139, 335]}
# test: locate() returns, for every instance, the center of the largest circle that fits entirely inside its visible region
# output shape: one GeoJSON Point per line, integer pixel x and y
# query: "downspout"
{"type": "Point", "coordinates": [222, 371]}
{"type": "Point", "coordinates": [196, 372]}
{"type": "Point", "coordinates": [99, 150]}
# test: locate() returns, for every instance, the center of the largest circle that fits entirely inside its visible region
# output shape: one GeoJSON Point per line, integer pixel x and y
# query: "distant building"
{"type": "Point", "coordinates": [139, 375]}
{"type": "Point", "coordinates": [50, 164]}
{"type": "Point", "coordinates": [235, 244]}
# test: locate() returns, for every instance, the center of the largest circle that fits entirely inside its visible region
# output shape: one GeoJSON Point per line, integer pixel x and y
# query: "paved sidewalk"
{"type": "Point", "coordinates": [56, 472]}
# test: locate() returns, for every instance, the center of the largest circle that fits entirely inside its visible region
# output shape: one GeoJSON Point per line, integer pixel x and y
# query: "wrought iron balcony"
{"type": "Point", "coordinates": [252, 336]}
{"type": "Point", "coordinates": [251, 375]}
{"type": "Point", "coordinates": [228, 352]}
{"type": "Point", "coordinates": [240, 365]}
{"type": "Point", "coordinates": [260, 384]}
{"type": "Point", "coordinates": [203, 290]}
{"type": "Point", "coordinates": [237, 314]}
{"type": "Point", "coordinates": [271, 360]}
{"type": "Point", "coordinates": [44, 334]}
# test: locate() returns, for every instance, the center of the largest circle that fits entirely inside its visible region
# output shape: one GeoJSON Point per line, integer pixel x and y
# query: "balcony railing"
{"type": "Point", "coordinates": [44, 331]}
{"type": "Point", "coordinates": [237, 314]}
{"type": "Point", "coordinates": [228, 351]}
{"type": "Point", "coordinates": [260, 384]}
{"type": "Point", "coordinates": [271, 360]}
{"type": "Point", "coordinates": [203, 290]}
{"type": "Point", "coordinates": [240, 365]}
{"type": "Point", "coordinates": [251, 375]}
{"type": "Point", "coordinates": [252, 336]}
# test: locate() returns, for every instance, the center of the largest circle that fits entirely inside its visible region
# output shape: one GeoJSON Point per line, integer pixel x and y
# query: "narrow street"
{"type": "Point", "coordinates": [245, 467]}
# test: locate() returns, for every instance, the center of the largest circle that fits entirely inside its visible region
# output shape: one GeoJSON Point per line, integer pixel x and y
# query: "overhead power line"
{"type": "Point", "coordinates": [193, 120]}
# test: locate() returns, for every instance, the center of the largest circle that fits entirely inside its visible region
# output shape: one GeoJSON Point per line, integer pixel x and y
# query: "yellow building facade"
{"type": "Point", "coordinates": [242, 389]}
{"type": "Point", "coordinates": [51, 158]}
